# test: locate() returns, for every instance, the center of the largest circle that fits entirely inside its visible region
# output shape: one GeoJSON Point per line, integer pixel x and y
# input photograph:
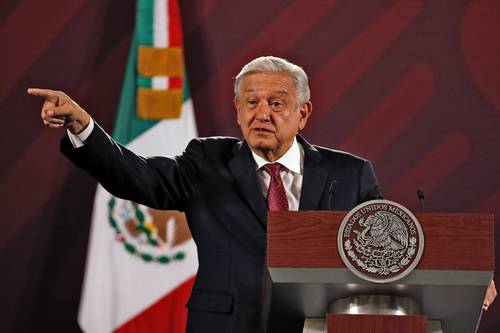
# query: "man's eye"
{"type": "Point", "coordinates": [251, 102]}
{"type": "Point", "coordinates": [276, 105]}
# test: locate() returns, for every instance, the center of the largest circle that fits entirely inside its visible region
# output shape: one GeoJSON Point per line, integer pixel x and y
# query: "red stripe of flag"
{"type": "Point", "coordinates": [168, 314]}
{"type": "Point", "coordinates": [175, 36]}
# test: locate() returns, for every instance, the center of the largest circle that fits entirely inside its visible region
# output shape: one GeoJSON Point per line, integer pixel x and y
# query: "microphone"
{"type": "Point", "coordinates": [331, 192]}
{"type": "Point", "coordinates": [421, 197]}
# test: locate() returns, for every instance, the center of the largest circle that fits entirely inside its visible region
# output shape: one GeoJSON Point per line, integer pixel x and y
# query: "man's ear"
{"type": "Point", "coordinates": [304, 111]}
{"type": "Point", "coordinates": [237, 107]}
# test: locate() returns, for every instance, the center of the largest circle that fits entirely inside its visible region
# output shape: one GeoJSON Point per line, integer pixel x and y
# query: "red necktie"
{"type": "Point", "coordinates": [276, 195]}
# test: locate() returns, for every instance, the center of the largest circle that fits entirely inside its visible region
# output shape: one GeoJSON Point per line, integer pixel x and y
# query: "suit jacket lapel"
{"type": "Point", "coordinates": [315, 177]}
{"type": "Point", "coordinates": [242, 167]}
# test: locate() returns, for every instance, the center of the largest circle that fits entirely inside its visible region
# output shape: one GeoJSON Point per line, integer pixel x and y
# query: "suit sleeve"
{"type": "Point", "coordinates": [368, 183]}
{"type": "Point", "coordinates": [157, 182]}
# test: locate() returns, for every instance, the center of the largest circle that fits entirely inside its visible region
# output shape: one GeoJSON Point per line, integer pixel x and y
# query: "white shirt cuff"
{"type": "Point", "coordinates": [77, 140]}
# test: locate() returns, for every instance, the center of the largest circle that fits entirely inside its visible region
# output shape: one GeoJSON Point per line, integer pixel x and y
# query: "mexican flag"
{"type": "Point", "coordinates": [141, 262]}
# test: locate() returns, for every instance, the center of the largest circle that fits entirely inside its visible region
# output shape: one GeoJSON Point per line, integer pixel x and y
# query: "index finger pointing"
{"type": "Point", "coordinates": [46, 93]}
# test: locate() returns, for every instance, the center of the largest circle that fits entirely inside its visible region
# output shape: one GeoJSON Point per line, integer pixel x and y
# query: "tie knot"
{"type": "Point", "coordinates": [273, 169]}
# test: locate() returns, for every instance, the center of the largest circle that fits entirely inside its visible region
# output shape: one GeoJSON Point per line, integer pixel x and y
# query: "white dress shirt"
{"type": "Point", "coordinates": [291, 175]}
{"type": "Point", "coordinates": [77, 139]}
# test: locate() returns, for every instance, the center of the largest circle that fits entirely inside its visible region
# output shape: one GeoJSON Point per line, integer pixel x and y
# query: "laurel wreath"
{"type": "Point", "coordinates": [382, 270]}
{"type": "Point", "coordinates": [131, 248]}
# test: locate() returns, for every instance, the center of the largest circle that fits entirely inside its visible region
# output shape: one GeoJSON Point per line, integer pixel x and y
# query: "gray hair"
{"type": "Point", "coordinates": [270, 64]}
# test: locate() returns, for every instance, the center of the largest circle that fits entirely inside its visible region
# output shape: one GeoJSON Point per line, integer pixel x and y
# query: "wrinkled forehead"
{"type": "Point", "coordinates": [268, 84]}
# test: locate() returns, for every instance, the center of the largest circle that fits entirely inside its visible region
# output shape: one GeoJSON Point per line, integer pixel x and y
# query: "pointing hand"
{"type": "Point", "coordinates": [60, 110]}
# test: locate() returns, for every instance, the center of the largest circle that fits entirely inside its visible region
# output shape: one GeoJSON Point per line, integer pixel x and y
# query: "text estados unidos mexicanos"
{"type": "Point", "coordinates": [377, 207]}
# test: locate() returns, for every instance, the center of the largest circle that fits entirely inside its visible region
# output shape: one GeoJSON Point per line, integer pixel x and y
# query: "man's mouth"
{"type": "Point", "coordinates": [262, 130]}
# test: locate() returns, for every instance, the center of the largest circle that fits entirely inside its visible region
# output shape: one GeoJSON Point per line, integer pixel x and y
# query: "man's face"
{"type": "Point", "coordinates": [269, 113]}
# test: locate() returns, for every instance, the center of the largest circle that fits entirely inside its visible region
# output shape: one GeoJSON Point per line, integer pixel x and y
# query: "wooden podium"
{"type": "Point", "coordinates": [449, 283]}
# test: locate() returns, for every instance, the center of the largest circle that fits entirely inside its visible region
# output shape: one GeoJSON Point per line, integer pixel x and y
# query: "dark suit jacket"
{"type": "Point", "coordinates": [214, 182]}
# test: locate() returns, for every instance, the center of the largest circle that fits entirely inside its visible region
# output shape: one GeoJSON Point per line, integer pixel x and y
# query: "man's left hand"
{"type": "Point", "coordinates": [491, 294]}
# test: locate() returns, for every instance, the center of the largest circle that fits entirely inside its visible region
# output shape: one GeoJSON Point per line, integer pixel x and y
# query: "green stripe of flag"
{"type": "Point", "coordinates": [144, 22]}
{"type": "Point", "coordinates": [145, 32]}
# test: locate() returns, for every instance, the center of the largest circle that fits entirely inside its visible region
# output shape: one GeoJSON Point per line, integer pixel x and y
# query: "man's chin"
{"type": "Point", "coordinates": [261, 145]}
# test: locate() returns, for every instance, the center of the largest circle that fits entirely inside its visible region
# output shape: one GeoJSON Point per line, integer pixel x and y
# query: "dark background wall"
{"type": "Point", "coordinates": [412, 85]}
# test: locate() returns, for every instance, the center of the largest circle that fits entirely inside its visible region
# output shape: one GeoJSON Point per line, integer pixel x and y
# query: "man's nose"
{"type": "Point", "coordinates": [263, 112]}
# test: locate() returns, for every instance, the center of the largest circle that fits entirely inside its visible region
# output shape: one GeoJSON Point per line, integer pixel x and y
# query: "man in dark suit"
{"type": "Point", "coordinates": [226, 186]}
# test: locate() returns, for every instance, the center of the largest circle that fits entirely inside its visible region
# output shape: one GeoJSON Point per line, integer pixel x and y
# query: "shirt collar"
{"type": "Point", "coordinates": [290, 160]}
